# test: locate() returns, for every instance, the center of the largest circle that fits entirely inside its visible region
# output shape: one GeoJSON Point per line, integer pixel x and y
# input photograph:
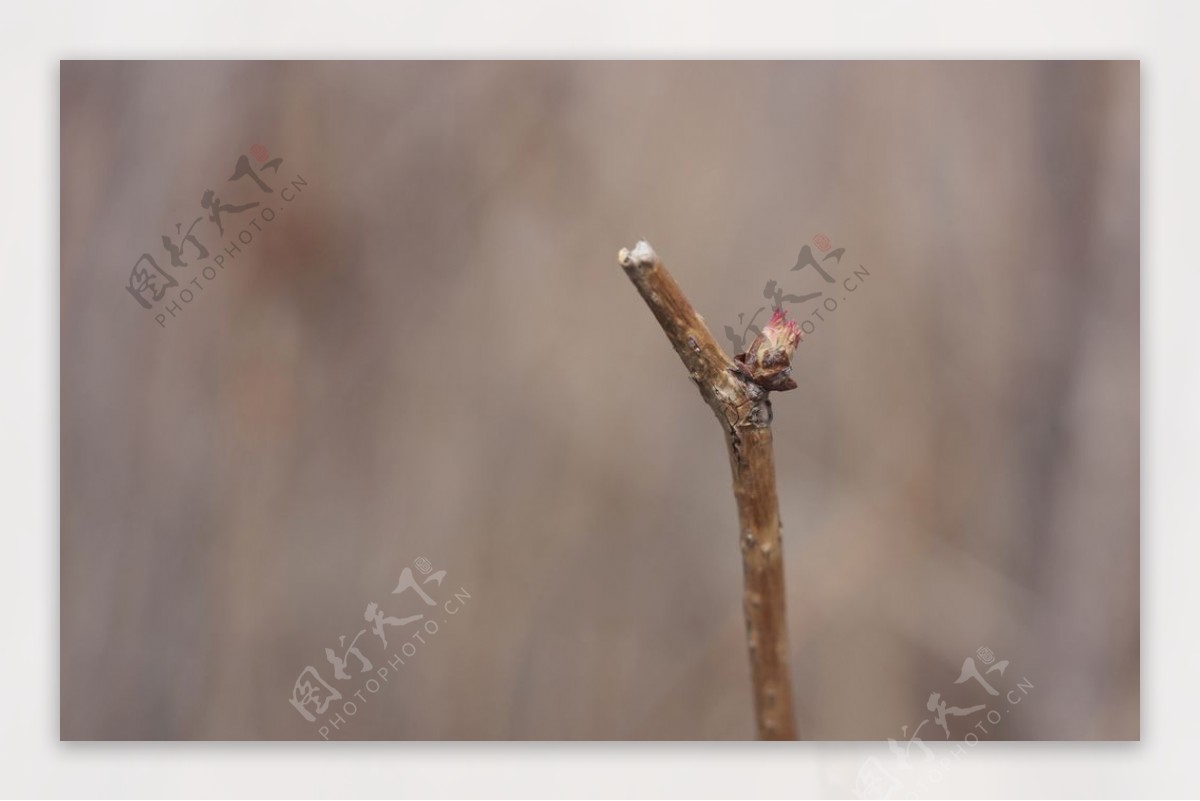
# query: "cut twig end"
{"type": "Point", "coordinates": [642, 255]}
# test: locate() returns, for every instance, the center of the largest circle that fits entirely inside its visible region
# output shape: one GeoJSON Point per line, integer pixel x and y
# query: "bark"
{"type": "Point", "coordinates": [744, 411]}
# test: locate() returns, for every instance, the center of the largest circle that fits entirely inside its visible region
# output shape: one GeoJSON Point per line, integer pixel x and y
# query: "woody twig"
{"type": "Point", "coordinates": [737, 391]}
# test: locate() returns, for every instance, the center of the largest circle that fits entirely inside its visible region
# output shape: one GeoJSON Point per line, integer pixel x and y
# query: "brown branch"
{"type": "Point", "coordinates": [737, 393]}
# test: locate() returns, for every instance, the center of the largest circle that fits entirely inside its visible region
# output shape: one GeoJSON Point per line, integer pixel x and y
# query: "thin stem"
{"type": "Point", "coordinates": [744, 412]}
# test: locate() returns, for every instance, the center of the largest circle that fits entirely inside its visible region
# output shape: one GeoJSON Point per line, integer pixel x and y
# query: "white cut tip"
{"type": "Point", "coordinates": [641, 255]}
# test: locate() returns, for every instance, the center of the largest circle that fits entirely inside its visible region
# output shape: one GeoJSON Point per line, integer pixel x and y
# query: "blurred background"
{"type": "Point", "coordinates": [429, 353]}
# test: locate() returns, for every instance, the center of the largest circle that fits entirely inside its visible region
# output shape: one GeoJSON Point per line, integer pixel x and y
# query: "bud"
{"type": "Point", "coordinates": [768, 362]}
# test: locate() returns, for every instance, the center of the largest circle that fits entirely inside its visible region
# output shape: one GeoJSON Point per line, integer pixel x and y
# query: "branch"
{"type": "Point", "coordinates": [737, 391]}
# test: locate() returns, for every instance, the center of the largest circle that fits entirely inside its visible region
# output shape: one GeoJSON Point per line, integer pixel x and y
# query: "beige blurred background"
{"type": "Point", "coordinates": [431, 352]}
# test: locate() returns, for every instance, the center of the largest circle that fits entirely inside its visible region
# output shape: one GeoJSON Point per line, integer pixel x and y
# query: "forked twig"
{"type": "Point", "coordinates": [737, 391]}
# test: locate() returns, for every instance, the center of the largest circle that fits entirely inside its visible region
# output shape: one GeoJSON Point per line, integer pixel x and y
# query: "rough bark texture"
{"type": "Point", "coordinates": [744, 412]}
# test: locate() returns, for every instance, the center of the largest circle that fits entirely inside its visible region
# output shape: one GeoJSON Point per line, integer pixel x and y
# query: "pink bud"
{"type": "Point", "coordinates": [768, 362]}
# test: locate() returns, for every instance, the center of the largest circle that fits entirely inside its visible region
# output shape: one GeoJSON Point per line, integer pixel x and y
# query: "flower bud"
{"type": "Point", "coordinates": [768, 362]}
